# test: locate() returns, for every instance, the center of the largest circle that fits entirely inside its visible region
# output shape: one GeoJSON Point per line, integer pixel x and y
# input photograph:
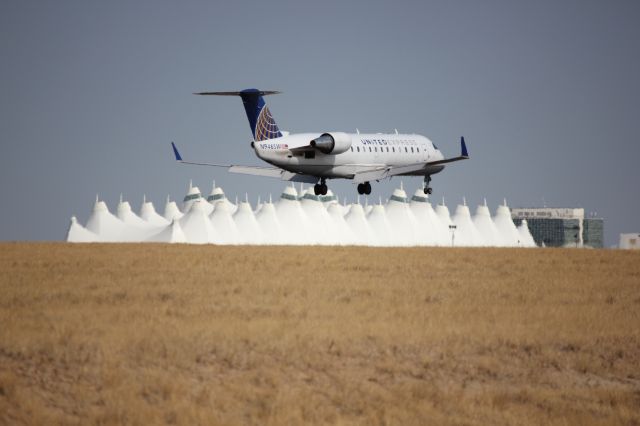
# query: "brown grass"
{"type": "Point", "coordinates": [152, 334]}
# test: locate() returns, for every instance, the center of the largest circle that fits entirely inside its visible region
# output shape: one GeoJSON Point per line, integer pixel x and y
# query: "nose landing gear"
{"type": "Point", "coordinates": [364, 188]}
{"type": "Point", "coordinates": [321, 188]}
{"type": "Point", "coordinates": [427, 189]}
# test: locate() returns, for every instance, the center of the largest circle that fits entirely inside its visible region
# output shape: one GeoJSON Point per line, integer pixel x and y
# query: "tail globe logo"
{"type": "Point", "coordinates": [266, 127]}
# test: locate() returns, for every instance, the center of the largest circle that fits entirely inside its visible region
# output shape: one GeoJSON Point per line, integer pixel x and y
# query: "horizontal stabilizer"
{"type": "Point", "coordinates": [256, 93]}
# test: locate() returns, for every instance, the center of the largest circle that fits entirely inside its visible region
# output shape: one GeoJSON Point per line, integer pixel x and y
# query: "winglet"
{"type": "Point", "coordinates": [175, 152]}
{"type": "Point", "coordinates": [463, 148]}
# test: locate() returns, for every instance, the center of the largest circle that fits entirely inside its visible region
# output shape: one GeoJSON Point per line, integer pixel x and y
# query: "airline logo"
{"type": "Point", "coordinates": [266, 127]}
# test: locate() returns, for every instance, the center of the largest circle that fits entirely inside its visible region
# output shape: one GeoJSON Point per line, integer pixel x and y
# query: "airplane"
{"type": "Point", "coordinates": [316, 157]}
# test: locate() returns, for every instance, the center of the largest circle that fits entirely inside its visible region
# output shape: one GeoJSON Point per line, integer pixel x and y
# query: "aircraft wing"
{"type": "Point", "coordinates": [464, 155]}
{"type": "Point", "coordinates": [273, 172]}
{"type": "Point", "coordinates": [385, 172]}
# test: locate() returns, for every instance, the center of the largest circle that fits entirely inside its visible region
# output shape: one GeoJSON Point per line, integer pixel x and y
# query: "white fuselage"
{"type": "Point", "coordinates": [367, 152]}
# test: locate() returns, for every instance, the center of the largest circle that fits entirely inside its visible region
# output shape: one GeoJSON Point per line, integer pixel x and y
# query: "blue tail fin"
{"type": "Point", "coordinates": [263, 126]}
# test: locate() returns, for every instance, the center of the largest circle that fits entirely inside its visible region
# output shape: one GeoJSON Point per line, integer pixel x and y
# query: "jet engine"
{"type": "Point", "coordinates": [332, 143]}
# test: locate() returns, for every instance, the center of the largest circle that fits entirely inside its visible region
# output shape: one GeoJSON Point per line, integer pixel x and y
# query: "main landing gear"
{"type": "Point", "coordinates": [427, 189]}
{"type": "Point", "coordinates": [364, 188]}
{"type": "Point", "coordinates": [320, 188]}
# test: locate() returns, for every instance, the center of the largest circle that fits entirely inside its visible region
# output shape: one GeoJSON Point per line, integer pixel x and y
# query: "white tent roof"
{"type": "Point", "coordinates": [171, 211]}
{"type": "Point", "coordinates": [466, 233]}
{"type": "Point", "coordinates": [226, 231]}
{"type": "Point", "coordinates": [401, 219]}
{"type": "Point", "coordinates": [269, 224]}
{"type": "Point", "coordinates": [196, 225]}
{"type": "Point", "coordinates": [320, 227]}
{"type": "Point", "coordinates": [526, 239]}
{"type": "Point", "coordinates": [193, 194]}
{"type": "Point", "coordinates": [506, 227]}
{"type": "Point", "coordinates": [427, 232]}
{"type": "Point", "coordinates": [148, 214]}
{"type": "Point", "coordinates": [171, 233]}
{"type": "Point", "coordinates": [105, 225]}
{"type": "Point", "coordinates": [308, 219]}
{"type": "Point", "coordinates": [79, 234]}
{"type": "Point", "coordinates": [247, 226]}
{"type": "Point", "coordinates": [380, 227]}
{"type": "Point", "coordinates": [485, 226]}
{"type": "Point", "coordinates": [293, 220]}
{"type": "Point", "coordinates": [359, 225]}
{"type": "Point", "coordinates": [342, 229]}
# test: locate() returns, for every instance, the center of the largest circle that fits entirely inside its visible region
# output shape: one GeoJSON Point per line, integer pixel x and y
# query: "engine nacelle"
{"type": "Point", "coordinates": [332, 143]}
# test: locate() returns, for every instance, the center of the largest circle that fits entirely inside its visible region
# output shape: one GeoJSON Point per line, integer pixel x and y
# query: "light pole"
{"type": "Point", "coordinates": [452, 228]}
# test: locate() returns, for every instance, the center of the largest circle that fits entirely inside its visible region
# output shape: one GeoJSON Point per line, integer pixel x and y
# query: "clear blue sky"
{"type": "Point", "coordinates": [547, 94]}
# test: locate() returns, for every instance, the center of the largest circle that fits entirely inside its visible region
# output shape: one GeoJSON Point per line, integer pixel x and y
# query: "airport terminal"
{"type": "Point", "coordinates": [300, 217]}
{"type": "Point", "coordinates": [561, 227]}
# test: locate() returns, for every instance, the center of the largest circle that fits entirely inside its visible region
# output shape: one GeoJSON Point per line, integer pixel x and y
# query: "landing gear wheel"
{"type": "Point", "coordinates": [317, 189]}
{"type": "Point", "coordinates": [323, 189]}
{"type": "Point", "coordinates": [364, 188]}
{"type": "Point", "coordinates": [428, 190]}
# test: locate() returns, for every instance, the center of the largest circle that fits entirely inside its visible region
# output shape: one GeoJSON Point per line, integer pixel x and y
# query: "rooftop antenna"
{"type": "Point", "coordinates": [190, 183]}
{"type": "Point", "coordinates": [485, 201]}
{"type": "Point", "coordinates": [236, 199]}
{"type": "Point", "coordinates": [380, 199]}
{"type": "Point", "coordinates": [214, 185]}
{"type": "Point", "coordinates": [168, 198]}
{"type": "Point", "coordinates": [258, 200]}
{"type": "Point", "coordinates": [270, 199]}
{"type": "Point", "coordinates": [464, 201]}
{"type": "Point", "coordinates": [357, 131]}
{"type": "Point", "coordinates": [401, 186]}
{"type": "Point", "coordinates": [144, 198]}
{"type": "Point", "coordinates": [396, 131]}
{"type": "Point", "coordinates": [505, 202]}
{"type": "Point", "coordinates": [121, 198]}
{"type": "Point", "coordinates": [442, 200]}
{"type": "Point", "coordinates": [358, 198]}
{"type": "Point", "coordinates": [246, 197]}
{"type": "Point", "coordinates": [97, 199]}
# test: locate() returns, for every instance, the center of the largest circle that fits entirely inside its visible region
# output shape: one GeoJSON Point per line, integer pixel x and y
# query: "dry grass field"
{"type": "Point", "coordinates": [175, 334]}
